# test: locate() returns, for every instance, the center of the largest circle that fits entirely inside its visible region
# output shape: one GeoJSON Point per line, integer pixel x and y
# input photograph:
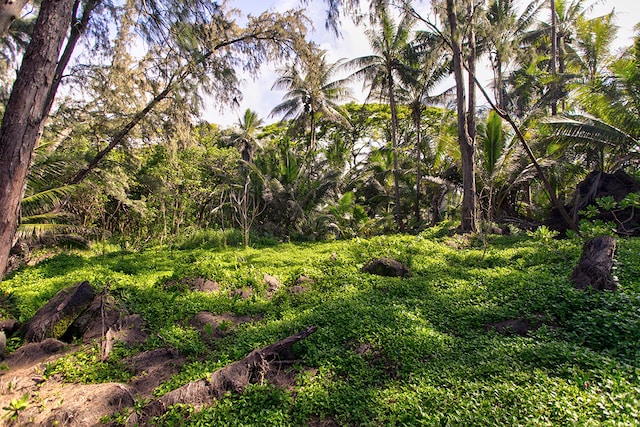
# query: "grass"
{"type": "Point", "coordinates": [388, 351]}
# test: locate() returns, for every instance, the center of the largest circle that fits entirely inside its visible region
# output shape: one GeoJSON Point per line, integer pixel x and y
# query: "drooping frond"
{"type": "Point", "coordinates": [45, 200]}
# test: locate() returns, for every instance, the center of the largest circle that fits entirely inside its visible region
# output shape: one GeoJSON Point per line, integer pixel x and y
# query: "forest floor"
{"type": "Point", "coordinates": [477, 332]}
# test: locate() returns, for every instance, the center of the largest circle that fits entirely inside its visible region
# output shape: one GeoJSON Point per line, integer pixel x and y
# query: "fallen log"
{"type": "Point", "coordinates": [255, 368]}
{"type": "Point", "coordinates": [594, 269]}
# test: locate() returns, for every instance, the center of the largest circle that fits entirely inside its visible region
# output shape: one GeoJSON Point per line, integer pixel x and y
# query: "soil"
{"type": "Point", "coordinates": [52, 402]}
{"type": "Point", "coordinates": [49, 401]}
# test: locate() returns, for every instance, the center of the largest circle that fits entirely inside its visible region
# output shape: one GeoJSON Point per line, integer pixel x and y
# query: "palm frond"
{"type": "Point", "coordinates": [46, 200]}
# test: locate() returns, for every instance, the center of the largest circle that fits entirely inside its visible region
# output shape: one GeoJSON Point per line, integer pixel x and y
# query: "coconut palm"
{"type": "Point", "coordinates": [431, 69]}
{"type": "Point", "coordinates": [608, 135]}
{"type": "Point", "coordinates": [383, 70]}
{"type": "Point", "coordinates": [311, 93]}
{"type": "Point", "coordinates": [245, 137]}
{"type": "Point", "coordinates": [563, 56]}
{"type": "Point", "coordinates": [246, 141]}
{"type": "Point", "coordinates": [593, 39]}
{"type": "Point", "coordinates": [505, 33]}
{"type": "Point", "coordinates": [40, 213]}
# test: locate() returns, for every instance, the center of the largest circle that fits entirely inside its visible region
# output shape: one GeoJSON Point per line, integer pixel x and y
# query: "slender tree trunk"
{"type": "Point", "coordinates": [78, 27]}
{"type": "Point", "coordinates": [120, 136]}
{"type": "Point", "coordinates": [561, 66]}
{"type": "Point", "coordinates": [547, 185]}
{"type": "Point", "coordinates": [500, 84]}
{"type": "Point", "coordinates": [464, 139]}
{"type": "Point", "coordinates": [394, 146]}
{"type": "Point", "coordinates": [417, 115]}
{"type": "Point", "coordinates": [554, 58]}
{"type": "Point", "coordinates": [9, 12]}
{"type": "Point", "coordinates": [312, 133]}
{"type": "Point", "coordinates": [26, 112]}
{"type": "Point", "coordinates": [469, 168]}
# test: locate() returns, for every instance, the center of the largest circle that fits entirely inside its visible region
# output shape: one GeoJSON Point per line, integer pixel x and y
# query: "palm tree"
{"type": "Point", "coordinates": [562, 32]}
{"type": "Point", "coordinates": [383, 70]}
{"type": "Point", "coordinates": [311, 93]}
{"type": "Point", "coordinates": [504, 34]}
{"type": "Point", "coordinates": [432, 68]}
{"type": "Point", "coordinates": [40, 208]}
{"type": "Point", "coordinates": [246, 142]}
{"type": "Point", "coordinates": [245, 139]}
{"type": "Point", "coordinates": [593, 39]}
{"type": "Point", "coordinates": [608, 135]}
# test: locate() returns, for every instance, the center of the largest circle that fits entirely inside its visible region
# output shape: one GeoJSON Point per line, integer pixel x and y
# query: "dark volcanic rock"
{"type": "Point", "coordinates": [387, 267]}
{"type": "Point", "coordinates": [597, 185]}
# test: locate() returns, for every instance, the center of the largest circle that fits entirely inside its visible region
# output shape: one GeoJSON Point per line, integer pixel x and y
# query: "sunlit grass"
{"type": "Point", "coordinates": [388, 351]}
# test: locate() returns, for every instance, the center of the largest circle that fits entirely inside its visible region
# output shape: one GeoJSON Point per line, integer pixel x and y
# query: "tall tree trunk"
{"type": "Point", "coordinates": [26, 112]}
{"type": "Point", "coordinates": [78, 27]}
{"type": "Point", "coordinates": [470, 206]}
{"type": "Point", "coordinates": [417, 116]}
{"type": "Point", "coordinates": [464, 139]}
{"type": "Point", "coordinates": [554, 59]}
{"type": "Point", "coordinates": [394, 146]}
{"type": "Point", "coordinates": [500, 84]}
{"type": "Point", "coordinates": [9, 12]}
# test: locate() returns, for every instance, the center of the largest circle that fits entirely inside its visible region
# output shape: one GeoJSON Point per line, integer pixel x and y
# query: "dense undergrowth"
{"type": "Point", "coordinates": [388, 351]}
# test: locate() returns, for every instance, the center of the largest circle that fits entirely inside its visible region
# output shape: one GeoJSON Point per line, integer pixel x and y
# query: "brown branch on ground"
{"type": "Point", "coordinates": [256, 367]}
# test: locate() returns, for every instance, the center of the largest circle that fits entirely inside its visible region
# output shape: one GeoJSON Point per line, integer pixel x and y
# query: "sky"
{"type": "Point", "coordinates": [258, 96]}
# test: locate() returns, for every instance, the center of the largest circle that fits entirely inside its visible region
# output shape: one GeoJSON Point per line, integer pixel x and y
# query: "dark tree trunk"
{"type": "Point", "coordinates": [394, 146]}
{"type": "Point", "coordinates": [26, 112]}
{"type": "Point", "coordinates": [78, 27]}
{"type": "Point", "coordinates": [554, 59]}
{"type": "Point", "coordinates": [464, 138]}
{"type": "Point", "coordinates": [594, 269]}
{"type": "Point", "coordinates": [469, 203]}
{"type": "Point", "coordinates": [120, 136]}
{"type": "Point", "coordinates": [257, 366]}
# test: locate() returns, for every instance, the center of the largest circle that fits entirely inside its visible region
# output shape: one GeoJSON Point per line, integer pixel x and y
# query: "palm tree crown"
{"type": "Point", "coordinates": [311, 92]}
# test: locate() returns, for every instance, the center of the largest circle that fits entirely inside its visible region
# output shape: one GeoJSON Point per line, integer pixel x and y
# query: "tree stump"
{"type": "Point", "coordinates": [54, 318]}
{"type": "Point", "coordinates": [594, 269]}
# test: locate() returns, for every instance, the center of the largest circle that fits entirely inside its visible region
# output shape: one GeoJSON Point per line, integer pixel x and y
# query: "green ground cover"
{"type": "Point", "coordinates": [388, 351]}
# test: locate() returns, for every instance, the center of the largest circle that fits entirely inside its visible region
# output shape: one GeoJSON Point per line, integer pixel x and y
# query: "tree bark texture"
{"type": "Point", "coordinates": [9, 12]}
{"type": "Point", "coordinates": [467, 149]}
{"type": "Point", "coordinates": [594, 269]}
{"type": "Point", "coordinates": [26, 111]}
{"type": "Point", "coordinates": [554, 58]}
{"type": "Point", "coordinates": [470, 202]}
{"type": "Point", "coordinates": [394, 144]}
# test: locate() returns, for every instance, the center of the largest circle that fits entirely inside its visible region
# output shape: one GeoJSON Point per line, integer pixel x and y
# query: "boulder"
{"type": "Point", "coordinates": [9, 326]}
{"type": "Point", "coordinates": [596, 185]}
{"type": "Point", "coordinates": [273, 284]}
{"type": "Point", "coordinates": [387, 267]}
